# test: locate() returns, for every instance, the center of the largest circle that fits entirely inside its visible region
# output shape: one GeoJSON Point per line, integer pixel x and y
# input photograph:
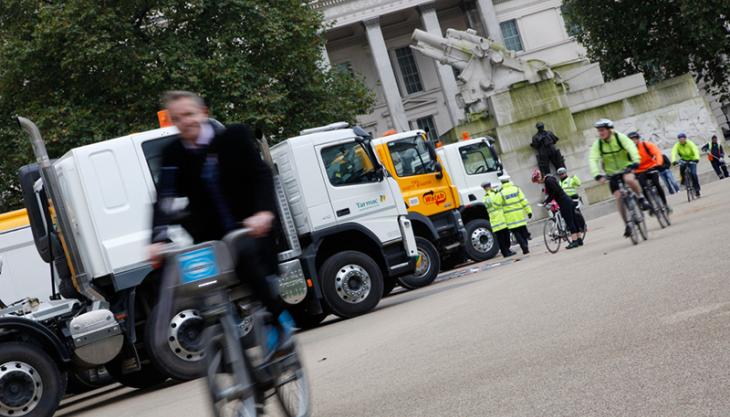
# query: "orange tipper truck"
{"type": "Point", "coordinates": [446, 232]}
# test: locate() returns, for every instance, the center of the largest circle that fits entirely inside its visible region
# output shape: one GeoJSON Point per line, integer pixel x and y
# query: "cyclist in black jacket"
{"type": "Point", "coordinates": [228, 186]}
{"type": "Point", "coordinates": [553, 191]}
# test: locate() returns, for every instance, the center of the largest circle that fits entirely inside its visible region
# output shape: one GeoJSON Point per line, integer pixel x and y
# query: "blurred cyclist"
{"type": "Point", "coordinates": [228, 186]}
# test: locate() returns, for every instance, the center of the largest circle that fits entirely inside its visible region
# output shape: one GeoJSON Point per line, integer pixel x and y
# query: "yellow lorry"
{"type": "Point", "coordinates": [447, 232]}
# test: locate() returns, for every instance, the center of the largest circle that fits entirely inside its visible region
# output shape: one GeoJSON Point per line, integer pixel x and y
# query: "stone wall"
{"type": "Point", "coordinates": [659, 113]}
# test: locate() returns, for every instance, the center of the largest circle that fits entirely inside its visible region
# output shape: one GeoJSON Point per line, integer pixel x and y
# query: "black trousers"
{"type": "Point", "coordinates": [720, 168]}
{"type": "Point", "coordinates": [653, 177]}
{"type": "Point", "coordinates": [567, 210]}
{"type": "Point", "coordinates": [521, 236]}
{"type": "Point", "coordinates": [547, 156]}
{"type": "Point", "coordinates": [504, 241]}
{"type": "Point", "coordinates": [257, 267]}
{"type": "Point", "coordinates": [580, 221]}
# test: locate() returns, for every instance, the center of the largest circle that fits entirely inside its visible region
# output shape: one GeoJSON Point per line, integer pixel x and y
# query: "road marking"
{"type": "Point", "coordinates": [693, 312]}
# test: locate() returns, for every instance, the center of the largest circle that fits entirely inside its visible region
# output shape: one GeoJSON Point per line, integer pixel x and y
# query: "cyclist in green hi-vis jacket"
{"type": "Point", "coordinates": [610, 156]}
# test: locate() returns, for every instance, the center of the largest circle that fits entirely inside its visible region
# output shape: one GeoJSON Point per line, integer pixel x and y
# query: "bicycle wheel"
{"type": "Point", "coordinates": [229, 383]}
{"type": "Point", "coordinates": [551, 234]}
{"type": "Point", "coordinates": [657, 207]}
{"type": "Point", "coordinates": [640, 222]}
{"type": "Point", "coordinates": [629, 205]}
{"type": "Point", "coordinates": [292, 388]}
{"type": "Point", "coordinates": [688, 186]}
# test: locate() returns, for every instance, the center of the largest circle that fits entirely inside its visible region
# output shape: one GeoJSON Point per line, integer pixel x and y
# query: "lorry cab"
{"type": "Point", "coordinates": [432, 198]}
{"type": "Point", "coordinates": [470, 163]}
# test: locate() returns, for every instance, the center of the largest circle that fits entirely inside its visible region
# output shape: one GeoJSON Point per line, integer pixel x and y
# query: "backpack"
{"type": "Point", "coordinates": [666, 164]}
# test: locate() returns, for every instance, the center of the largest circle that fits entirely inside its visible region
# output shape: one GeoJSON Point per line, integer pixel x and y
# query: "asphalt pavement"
{"type": "Point", "coordinates": [608, 329]}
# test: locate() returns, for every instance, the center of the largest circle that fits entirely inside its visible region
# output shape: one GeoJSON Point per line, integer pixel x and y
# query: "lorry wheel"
{"type": "Point", "coordinates": [427, 266]}
{"type": "Point", "coordinates": [352, 283]}
{"type": "Point", "coordinates": [31, 384]}
{"type": "Point", "coordinates": [147, 377]}
{"type": "Point", "coordinates": [480, 241]}
{"type": "Point", "coordinates": [178, 352]}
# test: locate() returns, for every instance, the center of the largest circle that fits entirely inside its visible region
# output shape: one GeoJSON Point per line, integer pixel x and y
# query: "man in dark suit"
{"type": "Point", "coordinates": [228, 186]}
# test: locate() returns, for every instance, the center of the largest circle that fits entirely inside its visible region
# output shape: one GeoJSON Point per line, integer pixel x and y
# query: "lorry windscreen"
{"type": "Point", "coordinates": [411, 156]}
{"type": "Point", "coordinates": [478, 159]}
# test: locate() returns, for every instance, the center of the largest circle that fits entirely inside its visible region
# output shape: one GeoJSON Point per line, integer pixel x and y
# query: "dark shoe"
{"type": "Point", "coordinates": [525, 251]}
{"type": "Point", "coordinates": [580, 242]}
{"type": "Point", "coordinates": [627, 231]}
{"type": "Point", "coordinates": [572, 245]}
{"type": "Point", "coordinates": [508, 254]}
{"type": "Point", "coordinates": [697, 194]}
{"type": "Point", "coordinates": [644, 205]}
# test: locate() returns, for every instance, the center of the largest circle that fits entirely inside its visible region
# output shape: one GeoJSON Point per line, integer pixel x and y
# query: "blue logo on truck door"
{"type": "Point", "coordinates": [197, 265]}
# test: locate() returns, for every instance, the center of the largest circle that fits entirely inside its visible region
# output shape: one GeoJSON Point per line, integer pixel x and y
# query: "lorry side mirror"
{"type": "Point", "coordinates": [439, 170]}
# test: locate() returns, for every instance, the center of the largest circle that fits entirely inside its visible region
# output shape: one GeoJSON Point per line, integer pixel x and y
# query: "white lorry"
{"type": "Point", "coordinates": [343, 232]}
{"type": "Point", "coordinates": [471, 163]}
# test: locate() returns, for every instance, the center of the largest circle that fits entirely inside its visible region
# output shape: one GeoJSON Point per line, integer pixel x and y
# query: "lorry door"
{"type": "Point", "coordinates": [356, 189]}
{"type": "Point", "coordinates": [480, 164]}
{"type": "Point", "coordinates": [426, 189]}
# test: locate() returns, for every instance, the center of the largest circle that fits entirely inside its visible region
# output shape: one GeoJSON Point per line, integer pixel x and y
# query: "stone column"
{"type": "Point", "coordinates": [385, 72]}
{"type": "Point", "coordinates": [445, 73]}
{"type": "Point", "coordinates": [325, 63]}
{"type": "Point", "coordinates": [489, 20]}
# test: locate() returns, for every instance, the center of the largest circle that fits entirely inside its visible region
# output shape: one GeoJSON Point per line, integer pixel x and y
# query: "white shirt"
{"type": "Point", "coordinates": [205, 135]}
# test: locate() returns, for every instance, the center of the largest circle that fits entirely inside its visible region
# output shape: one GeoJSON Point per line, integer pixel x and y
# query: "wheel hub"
{"type": "Point", "coordinates": [184, 337]}
{"type": "Point", "coordinates": [21, 388]}
{"type": "Point", "coordinates": [424, 263]}
{"type": "Point", "coordinates": [482, 239]}
{"type": "Point", "coordinates": [352, 283]}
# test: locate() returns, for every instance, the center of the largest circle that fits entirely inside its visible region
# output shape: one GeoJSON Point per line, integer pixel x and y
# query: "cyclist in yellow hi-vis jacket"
{"type": "Point", "coordinates": [516, 210]}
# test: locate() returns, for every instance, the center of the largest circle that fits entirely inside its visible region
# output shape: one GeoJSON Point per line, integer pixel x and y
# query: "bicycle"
{"type": "Point", "coordinates": [555, 231]}
{"type": "Point", "coordinates": [635, 219]}
{"type": "Point", "coordinates": [688, 183]}
{"type": "Point", "coordinates": [241, 370]}
{"type": "Point", "coordinates": [657, 206]}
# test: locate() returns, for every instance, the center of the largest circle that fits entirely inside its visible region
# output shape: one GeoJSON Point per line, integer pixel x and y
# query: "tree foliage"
{"type": "Point", "coordinates": [661, 38]}
{"type": "Point", "coordinates": [88, 70]}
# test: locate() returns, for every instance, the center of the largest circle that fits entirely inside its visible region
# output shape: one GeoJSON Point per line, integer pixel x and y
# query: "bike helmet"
{"type": "Point", "coordinates": [540, 125]}
{"type": "Point", "coordinates": [633, 135]}
{"type": "Point", "coordinates": [682, 135]}
{"type": "Point", "coordinates": [562, 171]}
{"type": "Point", "coordinates": [536, 175]}
{"type": "Point", "coordinates": [603, 123]}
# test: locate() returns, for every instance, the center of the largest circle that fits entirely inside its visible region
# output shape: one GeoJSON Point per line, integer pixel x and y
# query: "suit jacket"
{"type": "Point", "coordinates": [225, 183]}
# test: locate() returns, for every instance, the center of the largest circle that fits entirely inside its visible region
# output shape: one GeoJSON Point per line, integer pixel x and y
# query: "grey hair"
{"type": "Point", "coordinates": [174, 95]}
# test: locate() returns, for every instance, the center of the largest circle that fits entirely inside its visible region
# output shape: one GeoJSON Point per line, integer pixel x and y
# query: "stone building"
{"type": "Point", "coordinates": [371, 38]}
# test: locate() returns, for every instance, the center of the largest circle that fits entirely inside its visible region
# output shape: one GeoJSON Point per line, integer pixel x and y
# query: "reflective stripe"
{"type": "Point", "coordinates": [513, 210]}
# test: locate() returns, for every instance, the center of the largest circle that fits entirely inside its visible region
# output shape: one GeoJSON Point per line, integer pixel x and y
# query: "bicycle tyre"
{"type": "Point", "coordinates": [640, 221]}
{"type": "Point", "coordinates": [629, 205]}
{"type": "Point", "coordinates": [657, 207]}
{"type": "Point", "coordinates": [219, 365]}
{"type": "Point", "coordinates": [548, 236]}
{"type": "Point", "coordinates": [302, 393]}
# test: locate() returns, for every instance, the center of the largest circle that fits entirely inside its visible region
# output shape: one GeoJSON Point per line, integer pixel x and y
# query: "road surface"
{"type": "Point", "coordinates": [609, 329]}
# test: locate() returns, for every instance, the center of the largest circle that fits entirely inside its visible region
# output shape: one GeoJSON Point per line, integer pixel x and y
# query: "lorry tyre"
{"type": "Point", "coordinates": [178, 352]}
{"type": "Point", "coordinates": [427, 266]}
{"type": "Point", "coordinates": [147, 377]}
{"type": "Point", "coordinates": [352, 283]}
{"type": "Point", "coordinates": [480, 241]}
{"type": "Point", "coordinates": [31, 384]}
